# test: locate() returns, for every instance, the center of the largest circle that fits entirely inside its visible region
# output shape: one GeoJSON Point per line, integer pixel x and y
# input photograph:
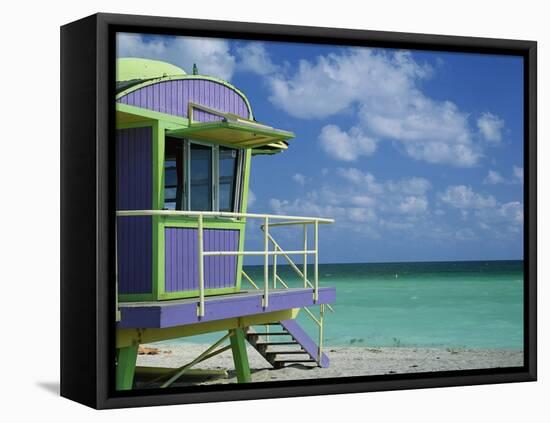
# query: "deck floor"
{"type": "Point", "coordinates": [169, 313]}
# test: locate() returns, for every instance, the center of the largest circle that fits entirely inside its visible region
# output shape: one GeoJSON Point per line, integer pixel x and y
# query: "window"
{"type": "Point", "coordinates": [201, 177]}
{"type": "Point", "coordinates": [173, 174]}
{"type": "Point", "coordinates": [227, 172]}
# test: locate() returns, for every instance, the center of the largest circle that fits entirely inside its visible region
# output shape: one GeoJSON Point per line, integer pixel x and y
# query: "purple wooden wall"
{"type": "Point", "coordinates": [134, 156]}
{"type": "Point", "coordinates": [181, 265]}
{"type": "Point", "coordinates": [134, 248]}
{"type": "Point", "coordinates": [172, 97]}
{"type": "Point", "coordinates": [134, 192]}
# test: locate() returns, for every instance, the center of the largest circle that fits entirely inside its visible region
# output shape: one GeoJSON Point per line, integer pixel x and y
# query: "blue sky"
{"type": "Point", "coordinates": [417, 155]}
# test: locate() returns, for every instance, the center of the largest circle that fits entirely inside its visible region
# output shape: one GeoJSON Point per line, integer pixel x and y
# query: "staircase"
{"type": "Point", "coordinates": [286, 343]}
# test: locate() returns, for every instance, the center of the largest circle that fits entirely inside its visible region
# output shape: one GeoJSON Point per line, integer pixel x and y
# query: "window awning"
{"type": "Point", "coordinates": [239, 133]}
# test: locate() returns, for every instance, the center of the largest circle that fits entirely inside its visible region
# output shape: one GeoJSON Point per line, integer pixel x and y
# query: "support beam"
{"type": "Point", "coordinates": [127, 337]}
{"type": "Point", "coordinates": [125, 367]}
{"type": "Point", "coordinates": [240, 357]}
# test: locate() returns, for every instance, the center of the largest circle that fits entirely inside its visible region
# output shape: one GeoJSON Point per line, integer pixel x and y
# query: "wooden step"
{"type": "Point", "coordinates": [268, 334]}
{"type": "Point", "coordinates": [295, 361]}
{"type": "Point", "coordinates": [285, 352]}
{"type": "Point", "coordinates": [265, 344]}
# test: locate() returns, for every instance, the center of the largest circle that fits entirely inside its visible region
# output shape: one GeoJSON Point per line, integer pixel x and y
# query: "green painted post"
{"type": "Point", "coordinates": [240, 357]}
{"type": "Point", "coordinates": [126, 366]}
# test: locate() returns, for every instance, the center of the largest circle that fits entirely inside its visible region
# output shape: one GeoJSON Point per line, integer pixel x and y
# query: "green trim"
{"type": "Point", "coordinates": [235, 134]}
{"type": "Point", "coordinates": [136, 297]}
{"type": "Point", "coordinates": [195, 293]}
{"type": "Point", "coordinates": [276, 133]}
{"type": "Point", "coordinates": [177, 77]}
{"type": "Point", "coordinates": [158, 204]}
{"type": "Point", "coordinates": [125, 367]}
{"type": "Point", "coordinates": [158, 165]}
{"type": "Point", "coordinates": [175, 222]}
{"type": "Point", "coordinates": [240, 225]}
{"type": "Point", "coordinates": [246, 180]}
{"type": "Point", "coordinates": [135, 68]}
{"type": "Point", "coordinates": [130, 125]}
{"type": "Point", "coordinates": [176, 295]}
{"type": "Point", "coordinates": [240, 357]}
{"type": "Point", "coordinates": [243, 208]}
{"type": "Point", "coordinates": [170, 121]}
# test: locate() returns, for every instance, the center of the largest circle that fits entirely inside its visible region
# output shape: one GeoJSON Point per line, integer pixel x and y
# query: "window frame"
{"type": "Point", "coordinates": [215, 175]}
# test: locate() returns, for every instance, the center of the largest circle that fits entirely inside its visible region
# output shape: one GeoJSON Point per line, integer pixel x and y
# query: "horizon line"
{"type": "Point", "coordinates": [404, 262]}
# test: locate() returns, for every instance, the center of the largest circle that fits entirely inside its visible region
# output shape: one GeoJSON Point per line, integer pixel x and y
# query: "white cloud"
{"type": "Point", "coordinates": [253, 57]}
{"type": "Point", "coordinates": [413, 205]}
{"type": "Point", "coordinates": [490, 127]}
{"type": "Point", "coordinates": [357, 214]}
{"type": "Point", "coordinates": [365, 206]}
{"type": "Point", "coordinates": [299, 178]}
{"type": "Point", "coordinates": [212, 55]}
{"type": "Point", "coordinates": [343, 79]}
{"type": "Point", "coordinates": [510, 213]}
{"type": "Point", "coordinates": [367, 180]}
{"type": "Point", "coordinates": [362, 200]}
{"type": "Point", "coordinates": [493, 178]}
{"type": "Point", "coordinates": [498, 220]}
{"type": "Point", "coordinates": [251, 198]}
{"type": "Point", "coordinates": [463, 197]}
{"type": "Point", "coordinates": [414, 185]}
{"type": "Point", "coordinates": [393, 205]}
{"type": "Point", "coordinates": [346, 146]}
{"type": "Point", "coordinates": [518, 173]}
{"type": "Point", "coordinates": [436, 132]}
{"type": "Point", "coordinates": [384, 88]}
{"type": "Point", "coordinates": [465, 234]}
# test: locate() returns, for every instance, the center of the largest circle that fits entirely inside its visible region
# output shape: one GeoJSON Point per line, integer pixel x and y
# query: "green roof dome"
{"type": "Point", "coordinates": [134, 68]}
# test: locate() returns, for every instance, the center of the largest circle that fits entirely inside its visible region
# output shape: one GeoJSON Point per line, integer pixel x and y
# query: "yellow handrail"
{"type": "Point", "coordinates": [291, 220]}
{"type": "Point", "coordinates": [249, 279]}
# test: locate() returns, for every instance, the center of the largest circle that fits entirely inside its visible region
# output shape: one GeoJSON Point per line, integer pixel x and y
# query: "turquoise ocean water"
{"type": "Point", "coordinates": [439, 304]}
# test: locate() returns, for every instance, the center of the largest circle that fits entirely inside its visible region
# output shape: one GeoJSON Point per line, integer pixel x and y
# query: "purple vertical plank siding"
{"type": "Point", "coordinates": [181, 268]}
{"type": "Point", "coordinates": [134, 168]}
{"type": "Point", "coordinates": [172, 97]}
{"type": "Point", "coordinates": [134, 192]}
{"type": "Point", "coordinates": [134, 248]}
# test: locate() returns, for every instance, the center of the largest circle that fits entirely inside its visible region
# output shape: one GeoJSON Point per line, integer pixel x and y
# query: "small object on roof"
{"type": "Point", "coordinates": [195, 69]}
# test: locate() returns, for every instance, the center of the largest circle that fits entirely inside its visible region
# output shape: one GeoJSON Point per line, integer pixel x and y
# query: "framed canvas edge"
{"type": "Point", "coordinates": [104, 313]}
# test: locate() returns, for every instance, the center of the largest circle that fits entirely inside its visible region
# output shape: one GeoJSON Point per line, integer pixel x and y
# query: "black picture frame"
{"type": "Point", "coordinates": [87, 209]}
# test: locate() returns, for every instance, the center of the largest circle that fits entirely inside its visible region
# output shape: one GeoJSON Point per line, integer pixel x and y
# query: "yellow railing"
{"type": "Point", "coordinates": [302, 274]}
{"type": "Point", "coordinates": [266, 252]}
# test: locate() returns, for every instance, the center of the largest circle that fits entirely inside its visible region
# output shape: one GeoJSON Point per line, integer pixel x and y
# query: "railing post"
{"type": "Point", "coordinates": [316, 263]}
{"type": "Point", "coordinates": [275, 269]}
{"type": "Point", "coordinates": [321, 334]}
{"type": "Point", "coordinates": [200, 311]}
{"type": "Point", "coordinates": [266, 262]}
{"type": "Point", "coordinates": [305, 255]}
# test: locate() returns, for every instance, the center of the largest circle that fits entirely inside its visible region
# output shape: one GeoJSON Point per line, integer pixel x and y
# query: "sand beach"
{"type": "Point", "coordinates": [344, 361]}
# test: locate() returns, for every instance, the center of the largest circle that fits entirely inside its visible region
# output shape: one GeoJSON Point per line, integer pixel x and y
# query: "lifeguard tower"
{"type": "Point", "coordinates": [184, 147]}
